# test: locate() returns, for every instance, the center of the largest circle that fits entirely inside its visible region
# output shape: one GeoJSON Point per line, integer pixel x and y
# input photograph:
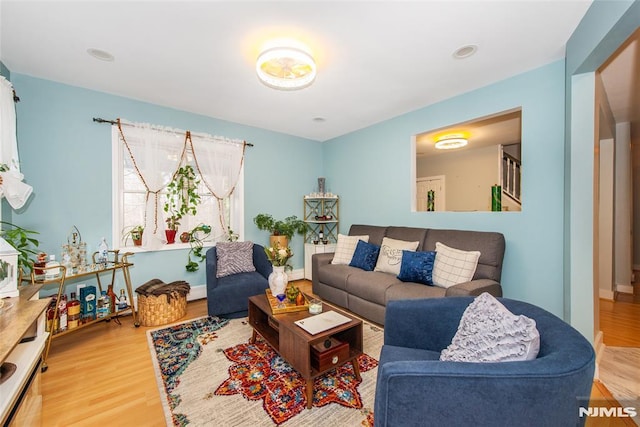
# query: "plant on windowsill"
{"type": "Point", "coordinates": [182, 199]}
{"type": "Point", "coordinates": [282, 231]}
{"type": "Point", "coordinates": [196, 240]}
{"type": "Point", "coordinates": [135, 233]}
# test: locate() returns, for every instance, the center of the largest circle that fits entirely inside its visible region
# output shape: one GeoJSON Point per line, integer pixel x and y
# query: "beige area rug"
{"type": "Point", "coordinates": [619, 370]}
{"type": "Point", "coordinates": [194, 368]}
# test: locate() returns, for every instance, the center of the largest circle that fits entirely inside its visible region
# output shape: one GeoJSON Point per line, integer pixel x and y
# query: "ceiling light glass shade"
{"type": "Point", "coordinates": [449, 142]}
{"type": "Point", "coordinates": [286, 68]}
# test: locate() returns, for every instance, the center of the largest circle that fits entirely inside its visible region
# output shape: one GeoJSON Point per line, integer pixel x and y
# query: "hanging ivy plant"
{"type": "Point", "coordinates": [182, 196]}
{"type": "Point", "coordinates": [196, 240]}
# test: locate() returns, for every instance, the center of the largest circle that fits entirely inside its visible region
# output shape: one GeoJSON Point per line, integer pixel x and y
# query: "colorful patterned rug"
{"type": "Point", "coordinates": [209, 373]}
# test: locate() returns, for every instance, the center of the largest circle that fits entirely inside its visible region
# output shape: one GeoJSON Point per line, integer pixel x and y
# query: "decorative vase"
{"type": "Point", "coordinates": [171, 236]}
{"type": "Point", "coordinates": [278, 280]}
{"type": "Point", "coordinates": [185, 237]}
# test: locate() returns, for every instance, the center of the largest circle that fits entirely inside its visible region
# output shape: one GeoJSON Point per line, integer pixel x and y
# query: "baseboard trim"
{"type": "Point", "coordinates": [296, 274]}
{"type": "Point", "coordinates": [598, 346]}
{"type": "Point", "coordinates": [197, 292]}
{"type": "Point", "coordinates": [607, 294]}
{"type": "Point", "coordinates": [625, 289]}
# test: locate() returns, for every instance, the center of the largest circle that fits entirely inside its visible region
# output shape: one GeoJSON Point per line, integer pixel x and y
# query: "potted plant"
{"type": "Point", "coordinates": [135, 233]}
{"type": "Point", "coordinates": [182, 199]}
{"type": "Point", "coordinates": [24, 242]}
{"type": "Point", "coordinates": [282, 231]}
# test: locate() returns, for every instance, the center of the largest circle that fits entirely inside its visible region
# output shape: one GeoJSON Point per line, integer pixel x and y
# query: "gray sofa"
{"type": "Point", "coordinates": [366, 293]}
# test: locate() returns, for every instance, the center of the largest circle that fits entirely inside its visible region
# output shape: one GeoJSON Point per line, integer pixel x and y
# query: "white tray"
{"type": "Point", "coordinates": [322, 322]}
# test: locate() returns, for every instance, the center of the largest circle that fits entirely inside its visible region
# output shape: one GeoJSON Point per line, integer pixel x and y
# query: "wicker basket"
{"type": "Point", "coordinates": [157, 310]}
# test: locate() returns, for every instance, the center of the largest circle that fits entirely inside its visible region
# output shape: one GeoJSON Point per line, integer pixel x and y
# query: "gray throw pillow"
{"type": "Point", "coordinates": [489, 332]}
{"type": "Point", "coordinates": [234, 258]}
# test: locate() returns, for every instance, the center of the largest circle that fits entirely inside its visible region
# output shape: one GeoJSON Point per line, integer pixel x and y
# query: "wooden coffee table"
{"type": "Point", "coordinates": [298, 347]}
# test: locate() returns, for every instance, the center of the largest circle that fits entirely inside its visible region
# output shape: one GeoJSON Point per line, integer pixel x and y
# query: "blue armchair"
{"type": "Point", "coordinates": [228, 296]}
{"type": "Point", "coordinates": [414, 388]}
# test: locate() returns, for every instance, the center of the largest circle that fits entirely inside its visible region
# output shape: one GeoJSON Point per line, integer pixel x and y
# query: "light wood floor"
{"type": "Point", "coordinates": [103, 374]}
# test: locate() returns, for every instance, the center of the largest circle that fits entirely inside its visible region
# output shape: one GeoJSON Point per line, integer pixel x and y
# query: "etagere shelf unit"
{"type": "Point", "coordinates": [322, 217]}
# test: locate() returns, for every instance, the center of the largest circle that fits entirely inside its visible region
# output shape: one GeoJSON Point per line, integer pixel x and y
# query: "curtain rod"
{"type": "Point", "coordinates": [113, 122]}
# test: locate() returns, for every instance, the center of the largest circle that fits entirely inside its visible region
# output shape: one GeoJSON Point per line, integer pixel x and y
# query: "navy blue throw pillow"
{"type": "Point", "coordinates": [417, 267]}
{"type": "Point", "coordinates": [365, 256]}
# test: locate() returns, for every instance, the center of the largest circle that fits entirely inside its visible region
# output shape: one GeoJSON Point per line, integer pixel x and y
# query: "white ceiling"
{"type": "Point", "coordinates": [499, 129]}
{"type": "Point", "coordinates": [376, 60]}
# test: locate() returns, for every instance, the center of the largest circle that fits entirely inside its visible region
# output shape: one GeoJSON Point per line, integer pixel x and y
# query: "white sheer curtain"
{"type": "Point", "coordinates": [153, 152]}
{"type": "Point", "coordinates": [157, 152]}
{"type": "Point", "coordinates": [219, 162]}
{"type": "Point", "coordinates": [12, 187]}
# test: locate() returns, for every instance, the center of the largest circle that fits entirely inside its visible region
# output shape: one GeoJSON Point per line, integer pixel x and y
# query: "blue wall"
{"type": "Point", "coordinates": [376, 187]}
{"type": "Point", "coordinates": [603, 29]}
{"type": "Point", "coordinates": [66, 157]}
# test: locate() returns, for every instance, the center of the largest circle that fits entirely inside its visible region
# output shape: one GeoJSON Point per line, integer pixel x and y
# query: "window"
{"type": "Point", "coordinates": [145, 164]}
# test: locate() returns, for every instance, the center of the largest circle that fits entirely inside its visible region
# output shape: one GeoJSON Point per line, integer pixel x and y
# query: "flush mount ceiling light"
{"type": "Point", "coordinates": [449, 142]}
{"type": "Point", "coordinates": [286, 68]}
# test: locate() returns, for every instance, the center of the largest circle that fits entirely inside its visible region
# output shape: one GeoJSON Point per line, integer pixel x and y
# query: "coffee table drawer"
{"type": "Point", "coordinates": [325, 358]}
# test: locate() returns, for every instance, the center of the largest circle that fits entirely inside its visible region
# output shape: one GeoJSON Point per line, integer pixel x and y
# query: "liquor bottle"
{"type": "Point", "coordinates": [52, 320]}
{"type": "Point", "coordinates": [112, 299]}
{"type": "Point", "coordinates": [62, 313]}
{"type": "Point", "coordinates": [41, 261]}
{"type": "Point", "coordinates": [52, 273]}
{"type": "Point", "coordinates": [103, 252]}
{"type": "Point", "coordinates": [123, 303]}
{"type": "Point", "coordinates": [102, 306]}
{"type": "Point", "coordinates": [73, 312]}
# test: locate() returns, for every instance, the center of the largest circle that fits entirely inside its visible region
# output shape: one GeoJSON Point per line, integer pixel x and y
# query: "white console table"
{"type": "Point", "coordinates": [21, 402]}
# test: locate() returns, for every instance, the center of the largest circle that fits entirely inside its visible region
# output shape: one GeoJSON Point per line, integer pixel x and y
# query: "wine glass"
{"type": "Point", "coordinates": [281, 298]}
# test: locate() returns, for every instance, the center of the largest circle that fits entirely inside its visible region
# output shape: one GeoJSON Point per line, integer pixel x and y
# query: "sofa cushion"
{"type": "Point", "coordinates": [390, 255]}
{"type": "Point", "coordinates": [411, 290]}
{"type": "Point", "coordinates": [490, 244]}
{"type": "Point", "coordinates": [365, 256]}
{"type": "Point", "coordinates": [417, 267]}
{"type": "Point", "coordinates": [392, 353]}
{"type": "Point", "coordinates": [370, 285]}
{"type": "Point", "coordinates": [375, 232]}
{"type": "Point", "coordinates": [345, 247]}
{"type": "Point", "coordinates": [408, 234]}
{"type": "Point", "coordinates": [336, 275]}
{"type": "Point", "coordinates": [234, 258]}
{"type": "Point", "coordinates": [489, 332]}
{"type": "Point", "coordinates": [453, 266]}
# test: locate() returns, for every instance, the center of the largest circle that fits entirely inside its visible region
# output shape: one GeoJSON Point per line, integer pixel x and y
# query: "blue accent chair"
{"type": "Point", "coordinates": [414, 388]}
{"type": "Point", "coordinates": [228, 296]}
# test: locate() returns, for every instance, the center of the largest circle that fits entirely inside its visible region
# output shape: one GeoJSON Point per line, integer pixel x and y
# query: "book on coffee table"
{"type": "Point", "coordinates": [322, 322]}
